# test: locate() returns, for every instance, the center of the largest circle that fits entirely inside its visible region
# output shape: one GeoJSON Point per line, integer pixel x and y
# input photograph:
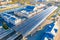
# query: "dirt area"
{"type": "Point", "coordinates": [57, 37]}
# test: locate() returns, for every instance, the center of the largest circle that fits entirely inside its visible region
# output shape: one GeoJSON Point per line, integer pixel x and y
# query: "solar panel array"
{"type": "Point", "coordinates": [9, 18]}
{"type": "Point", "coordinates": [32, 23]}
{"type": "Point", "coordinates": [28, 26]}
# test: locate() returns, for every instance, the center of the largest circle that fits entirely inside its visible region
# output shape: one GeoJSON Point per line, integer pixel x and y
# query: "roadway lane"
{"type": "Point", "coordinates": [34, 22]}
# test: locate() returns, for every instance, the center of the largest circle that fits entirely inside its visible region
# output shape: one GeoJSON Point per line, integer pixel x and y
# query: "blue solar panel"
{"type": "Point", "coordinates": [8, 16]}
{"type": "Point", "coordinates": [55, 30]}
{"type": "Point", "coordinates": [6, 34]}
{"type": "Point", "coordinates": [38, 35]}
{"type": "Point", "coordinates": [4, 14]}
{"type": "Point", "coordinates": [49, 27]}
{"type": "Point", "coordinates": [33, 22]}
{"type": "Point", "coordinates": [12, 18]}
{"type": "Point", "coordinates": [15, 37]}
{"type": "Point", "coordinates": [48, 36]}
{"type": "Point", "coordinates": [28, 8]}
{"type": "Point", "coordinates": [0, 23]}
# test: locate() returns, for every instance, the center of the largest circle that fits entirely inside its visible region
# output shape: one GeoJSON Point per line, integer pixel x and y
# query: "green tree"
{"type": "Point", "coordinates": [5, 26]}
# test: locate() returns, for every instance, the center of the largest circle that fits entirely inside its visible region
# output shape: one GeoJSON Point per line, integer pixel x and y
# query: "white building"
{"type": "Point", "coordinates": [15, 21]}
{"type": "Point", "coordinates": [11, 19]}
